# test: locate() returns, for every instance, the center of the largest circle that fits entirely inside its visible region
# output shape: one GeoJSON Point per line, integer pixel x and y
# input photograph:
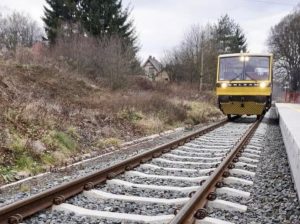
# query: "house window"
{"type": "Point", "coordinates": [151, 72]}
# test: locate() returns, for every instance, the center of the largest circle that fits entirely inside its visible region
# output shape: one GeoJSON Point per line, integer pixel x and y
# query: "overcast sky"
{"type": "Point", "coordinates": [161, 24]}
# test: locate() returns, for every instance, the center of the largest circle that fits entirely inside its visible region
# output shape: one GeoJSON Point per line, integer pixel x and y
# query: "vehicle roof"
{"type": "Point", "coordinates": [244, 54]}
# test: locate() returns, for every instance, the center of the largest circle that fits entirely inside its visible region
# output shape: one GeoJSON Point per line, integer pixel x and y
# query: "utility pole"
{"type": "Point", "coordinates": [201, 68]}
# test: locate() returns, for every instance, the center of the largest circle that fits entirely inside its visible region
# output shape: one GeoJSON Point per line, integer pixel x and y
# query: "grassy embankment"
{"type": "Point", "coordinates": [49, 116]}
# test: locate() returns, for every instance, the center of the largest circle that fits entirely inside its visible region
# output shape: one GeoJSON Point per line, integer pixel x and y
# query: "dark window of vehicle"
{"type": "Point", "coordinates": [257, 68]}
{"type": "Point", "coordinates": [231, 68]}
{"type": "Point", "coordinates": [244, 68]}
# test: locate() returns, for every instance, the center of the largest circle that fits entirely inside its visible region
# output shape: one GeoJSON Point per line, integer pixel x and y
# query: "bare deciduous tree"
{"type": "Point", "coordinates": [18, 29]}
{"type": "Point", "coordinates": [284, 42]}
{"type": "Point", "coordinates": [195, 59]}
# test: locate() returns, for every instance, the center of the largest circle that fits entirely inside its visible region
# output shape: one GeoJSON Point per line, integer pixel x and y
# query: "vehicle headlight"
{"type": "Point", "coordinates": [244, 58]}
{"type": "Point", "coordinates": [224, 85]}
{"type": "Point", "coordinates": [263, 85]}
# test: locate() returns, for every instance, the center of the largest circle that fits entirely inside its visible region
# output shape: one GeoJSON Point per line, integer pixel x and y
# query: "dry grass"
{"type": "Point", "coordinates": [108, 142]}
{"type": "Point", "coordinates": [151, 124]}
{"type": "Point", "coordinates": [200, 112]}
{"type": "Point", "coordinates": [71, 114]}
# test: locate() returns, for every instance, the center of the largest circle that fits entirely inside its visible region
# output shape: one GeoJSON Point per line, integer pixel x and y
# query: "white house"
{"type": "Point", "coordinates": [154, 70]}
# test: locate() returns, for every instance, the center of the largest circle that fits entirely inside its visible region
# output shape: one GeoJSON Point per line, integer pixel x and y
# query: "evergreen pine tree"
{"type": "Point", "coordinates": [238, 42]}
{"type": "Point", "coordinates": [241, 39]}
{"type": "Point", "coordinates": [57, 14]}
{"type": "Point", "coordinates": [51, 18]}
{"type": "Point", "coordinates": [106, 17]}
{"type": "Point", "coordinates": [223, 34]}
{"type": "Point", "coordinates": [229, 36]}
{"type": "Point", "coordinates": [98, 17]}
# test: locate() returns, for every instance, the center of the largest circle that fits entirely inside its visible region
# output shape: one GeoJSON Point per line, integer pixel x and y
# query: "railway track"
{"type": "Point", "coordinates": [178, 182]}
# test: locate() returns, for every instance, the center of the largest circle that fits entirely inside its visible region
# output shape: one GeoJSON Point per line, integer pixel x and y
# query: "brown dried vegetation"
{"type": "Point", "coordinates": [50, 114]}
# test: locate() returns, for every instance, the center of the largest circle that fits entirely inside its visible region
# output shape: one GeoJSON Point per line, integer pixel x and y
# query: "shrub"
{"type": "Point", "coordinates": [143, 83]}
{"type": "Point", "coordinates": [24, 55]}
{"type": "Point", "coordinates": [106, 58]}
{"type": "Point", "coordinates": [167, 110]}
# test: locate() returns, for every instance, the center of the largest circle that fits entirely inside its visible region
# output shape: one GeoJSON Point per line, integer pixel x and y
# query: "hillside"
{"type": "Point", "coordinates": [49, 115]}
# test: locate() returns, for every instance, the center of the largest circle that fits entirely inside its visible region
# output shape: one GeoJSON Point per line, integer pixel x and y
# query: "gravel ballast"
{"type": "Point", "coordinates": [144, 192]}
{"type": "Point", "coordinates": [273, 198]}
{"type": "Point", "coordinates": [139, 208]}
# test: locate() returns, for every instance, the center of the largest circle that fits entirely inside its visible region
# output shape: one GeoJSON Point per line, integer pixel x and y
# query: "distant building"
{"type": "Point", "coordinates": [154, 70]}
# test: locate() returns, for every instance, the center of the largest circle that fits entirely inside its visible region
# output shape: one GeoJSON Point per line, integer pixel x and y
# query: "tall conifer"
{"type": "Point", "coordinates": [229, 36]}
{"type": "Point", "coordinates": [98, 18]}
{"type": "Point", "coordinates": [52, 17]}
{"type": "Point", "coordinates": [106, 17]}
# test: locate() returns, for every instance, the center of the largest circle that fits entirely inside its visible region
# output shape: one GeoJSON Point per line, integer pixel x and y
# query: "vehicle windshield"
{"type": "Point", "coordinates": [244, 68]}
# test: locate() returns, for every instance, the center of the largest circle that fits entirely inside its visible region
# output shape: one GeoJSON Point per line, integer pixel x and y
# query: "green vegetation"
{"type": "Point", "coordinates": [24, 158]}
{"type": "Point", "coordinates": [60, 141]}
{"type": "Point", "coordinates": [7, 174]}
{"type": "Point", "coordinates": [27, 163]}
{"type": "Point", "coordinates": [64, 141]}
{"type": "Point", "coordinates": [48, 159]}
{"type": "Point", "coordinates": [27, 160]}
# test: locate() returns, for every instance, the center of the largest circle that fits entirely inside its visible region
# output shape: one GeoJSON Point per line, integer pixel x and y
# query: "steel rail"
{"type": "Point", "coordinates": [194, 209]}
{"type": "Point", "coordinates": [16, 212]}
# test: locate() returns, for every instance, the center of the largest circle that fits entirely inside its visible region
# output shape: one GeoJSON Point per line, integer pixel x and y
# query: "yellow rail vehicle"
{"type": "Point", "coordinates": [244, 84]}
